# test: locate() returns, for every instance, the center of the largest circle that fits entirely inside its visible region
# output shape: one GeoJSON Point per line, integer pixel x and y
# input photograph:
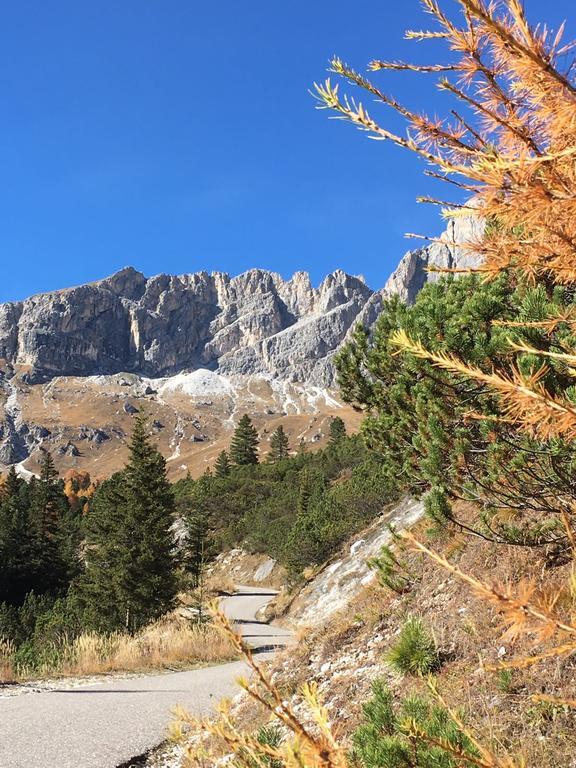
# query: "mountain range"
{"type": "Point", "coordinates": [180, 341]}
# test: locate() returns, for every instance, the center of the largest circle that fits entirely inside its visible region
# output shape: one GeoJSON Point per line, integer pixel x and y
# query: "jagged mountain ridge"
{"type": "Point", "coordinates": [76, 364]}
{"type": "Point", "coordinates": [254, 324]}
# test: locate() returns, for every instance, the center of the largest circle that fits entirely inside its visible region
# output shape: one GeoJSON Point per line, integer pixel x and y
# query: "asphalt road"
{"type": "Point", "coordinates": [103, 725]}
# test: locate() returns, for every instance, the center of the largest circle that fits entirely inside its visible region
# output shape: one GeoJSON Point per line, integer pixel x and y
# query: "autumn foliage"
{"type": "Point", "coordinates": [510, 146]}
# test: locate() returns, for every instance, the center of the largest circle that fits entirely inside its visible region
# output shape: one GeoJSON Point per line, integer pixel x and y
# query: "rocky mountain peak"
{"type": "Point", "coordinates": [127, 283]}
{"type": "Point", "coordinates": [256, 323]}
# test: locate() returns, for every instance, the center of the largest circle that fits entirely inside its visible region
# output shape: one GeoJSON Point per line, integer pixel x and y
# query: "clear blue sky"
{"type": "Point", "coordinates": [174, 136]}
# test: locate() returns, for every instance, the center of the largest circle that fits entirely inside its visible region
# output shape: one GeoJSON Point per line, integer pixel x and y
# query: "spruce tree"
{"type": "Point", "coordinates": [199, 550]}
{"type": "Point", "coordinates": [337, 430]}
{"type": "Point", "coordinates": [304, 493]}
{"type": "Point", "coordinates": [16, 574]}
{"type": "Point", "coordinates": [109, 543]}
{"type": "Point", "coordinates": [222, 465]}
{"type": "Point", "coordinates": [54, 531]}
{"type": "Point", "coordinates": [131, 576]}
{"type": "Point", "coordinates": [279, 444]}
{"type": "Point", "coordinates": [244, 445]}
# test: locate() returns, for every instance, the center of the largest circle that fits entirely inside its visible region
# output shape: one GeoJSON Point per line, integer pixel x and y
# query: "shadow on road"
{"type": "Point", "coordinates": [126, 690]}
{"type": "Point", "coordinates": [253, 594]}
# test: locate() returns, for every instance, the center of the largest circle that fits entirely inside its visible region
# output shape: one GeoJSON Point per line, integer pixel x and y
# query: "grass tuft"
{"type": "Point", "coordinates": [415, 652]}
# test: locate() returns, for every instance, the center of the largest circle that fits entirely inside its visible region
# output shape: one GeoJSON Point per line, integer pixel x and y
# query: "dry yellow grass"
{"type": "Point", "coordinates": [166, 644]}
{"type": "Point", "coordinates": [219, 583]}
{"type": "Point", "coordinates": [6, 653]}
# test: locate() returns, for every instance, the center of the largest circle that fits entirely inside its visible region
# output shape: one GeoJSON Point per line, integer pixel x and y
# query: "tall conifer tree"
{"type": "Point", "coordinates": [55, 539]}
{"type": "Point", "coordinates": [131, 575]}
{"type": "Point", "coordinates": [279, 444]}
{"type": "Point", "coordinates": [337, 430]}
{"type": "Point", "coordinates": [222, 465]}
{"type": "Point", "coordinates": [244, 445]}
{"type": "Point", "coordinates": [16, 575]}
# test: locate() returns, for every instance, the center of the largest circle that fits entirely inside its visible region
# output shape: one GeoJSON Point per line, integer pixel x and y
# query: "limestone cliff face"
{"type": "Point", "coordinates": [256, 323]}
{"type": "Point", "coordinates": [411, 274]}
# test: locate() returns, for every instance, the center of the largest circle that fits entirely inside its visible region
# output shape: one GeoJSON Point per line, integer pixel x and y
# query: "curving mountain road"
{"type": "Point", "coordinates": [103, 725]}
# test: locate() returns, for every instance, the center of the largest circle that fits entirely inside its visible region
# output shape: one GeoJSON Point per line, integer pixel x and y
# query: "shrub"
{"type": "Point", "coordinates": [268, 736]}
{"type": "Point", "coordinates": [6, 658]}
{"type": "Point", "coordinates": [415, 651]}
{"type": "Point", "coordinates": [386, 737]}
{"type": "Point", "coordinates": [392, 573]}
{"type": "Point", "coordinates": [505, 680]}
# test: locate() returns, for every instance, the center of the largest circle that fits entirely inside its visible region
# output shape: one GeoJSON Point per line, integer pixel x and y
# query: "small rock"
{"type": "Point", "coordinates": [68, 450]}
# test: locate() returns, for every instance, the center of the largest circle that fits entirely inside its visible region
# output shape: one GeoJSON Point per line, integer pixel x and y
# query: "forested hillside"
{"type": "Point", "coordinates": [77, 557]}
{"type": "Point", "coordinates": [298, 509]}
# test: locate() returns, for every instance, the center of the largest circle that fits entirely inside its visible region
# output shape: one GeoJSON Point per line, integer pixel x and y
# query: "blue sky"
{"type": "Point", "coordinates": [177, 136]}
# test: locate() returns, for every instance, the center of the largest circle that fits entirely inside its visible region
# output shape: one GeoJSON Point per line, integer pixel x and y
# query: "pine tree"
{"type": "Point", "coordinates": [244, 445]}
{"type": "Point", "coordinates": [108, 557]}
{"type": "Point", "coordinates": [54, 529]}
{"type": "Point", "coordinates": [47, 498]}
{"type": "Point", "coordinates": [222, 465]}
{"type": "Point", "coordinates": [304, 493]}
{"type": "Point", "coordinates": [337, 430]}
{"type": "Point", "coordinates": [199, 549]}
{"type": "Point", "coordinates": [131, 575]}
{"type": "Point", "coordinates": [279, 445]}
{"type": "Point", "coordinates": [383, 741]}
{"type": "Point", "coordinates": [16, 576]}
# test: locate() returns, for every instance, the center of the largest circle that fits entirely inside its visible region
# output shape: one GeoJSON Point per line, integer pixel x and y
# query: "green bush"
{"type": "Point", "coordinates": [417, 416]}
{"type": "Point", "coordinates": [415, 652]}
{"type": "Point", "coordinates": [505, 680]}
{"type": "Point", "coordinates": [387, 737]}
{"type": "Point", "coordinates": [33, 657]}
